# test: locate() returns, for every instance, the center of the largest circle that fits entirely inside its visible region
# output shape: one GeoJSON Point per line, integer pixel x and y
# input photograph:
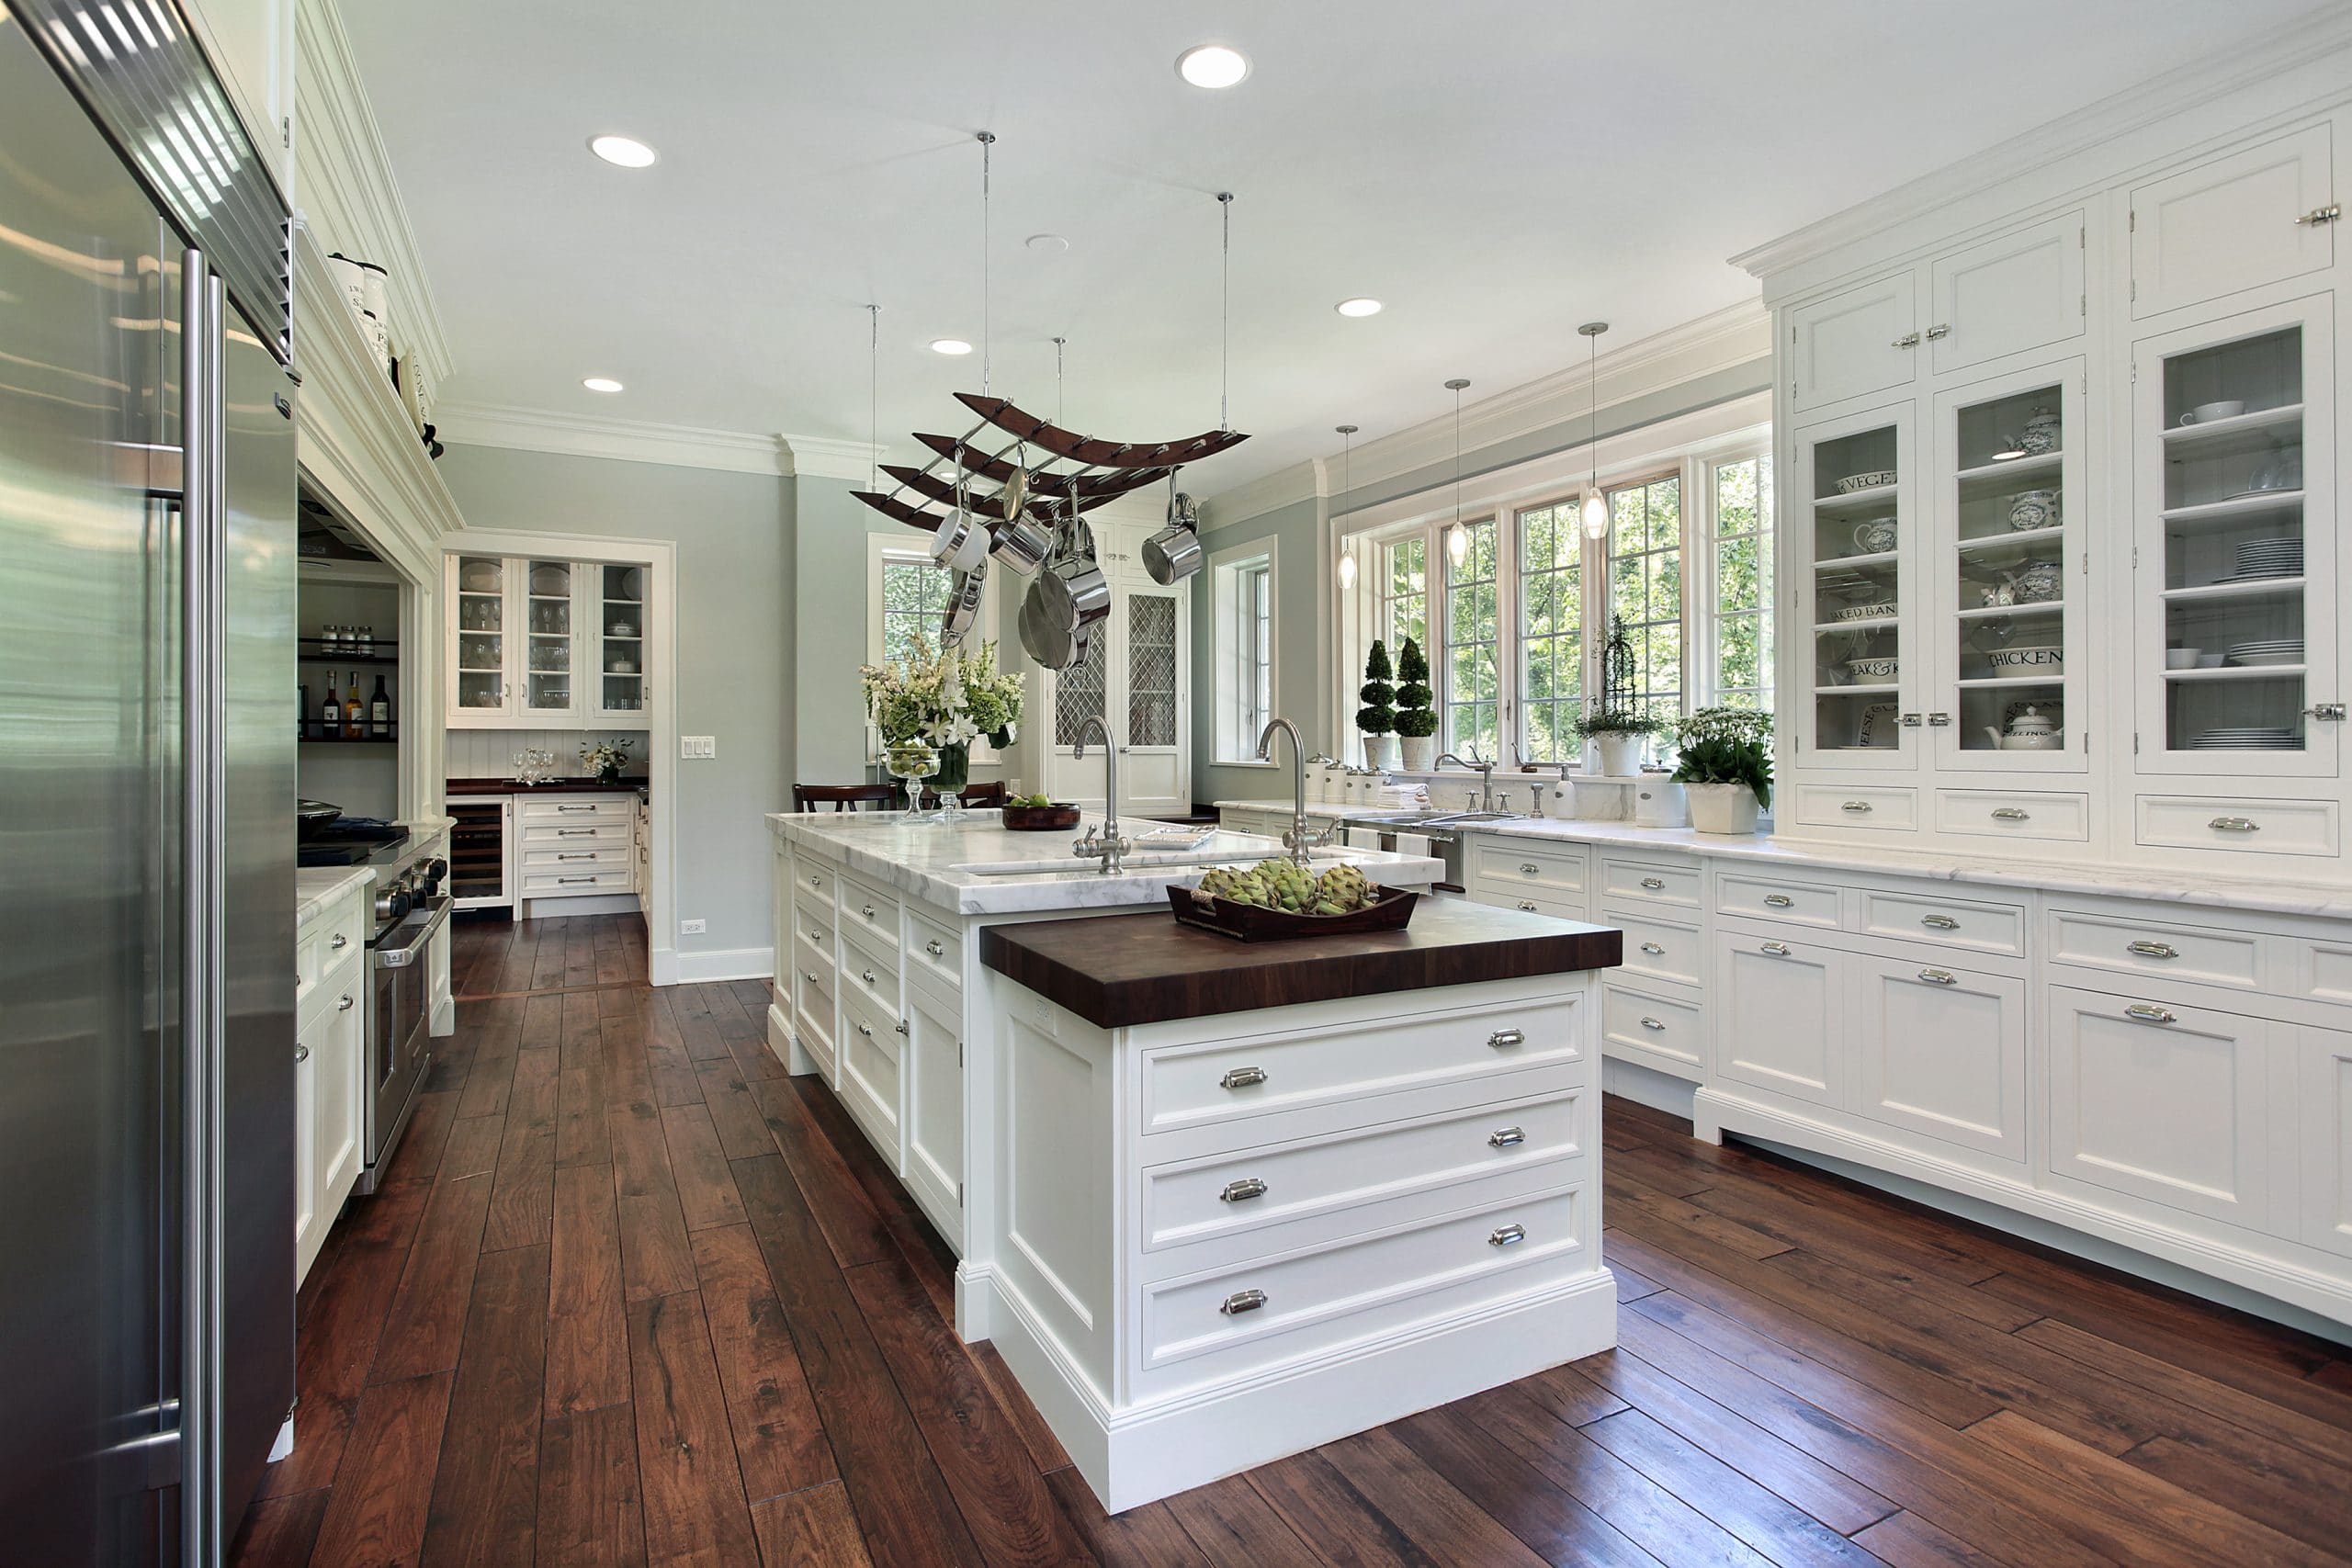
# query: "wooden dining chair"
{"type": "Point", "coordinates": [845, 798]}
{"type": "Point", "coordinates": [982, 795]}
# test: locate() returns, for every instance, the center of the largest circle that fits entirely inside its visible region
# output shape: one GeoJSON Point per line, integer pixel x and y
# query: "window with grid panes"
{"type": "Point", "coordinates": [914, 604]}
{"type": "Point", "coordinates": [1646, 590]}
{"type": "Point", "coordinates": [1405, 595]}
{"type": "Point", "coordinates": [1551, 631]}
{"type": "Point", "coordinates": [1473, 682]}
{"type": "Point", "coordinates": [1743, 609]}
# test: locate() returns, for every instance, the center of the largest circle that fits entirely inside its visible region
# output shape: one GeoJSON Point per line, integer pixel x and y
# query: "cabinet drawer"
{"type": "Point", "coordinates": [813, 1014]}
{"type": "Point", "coordinates": [1649, 881]}
{"type": "Point", "coordinates": [1645, 1025]}
{"type": "Point", "coordinates": [2129, 946]}
{"type": "Point", "coordinates": [1953, 922]}
{"type": "Point", "coordinates": [812, 884]}
{"type": "Point", "coordinates": [1775, 898]}
{"type": "Point", "coordinates": [1659, 950]}
{"type": "Point", "coordinates": [1307, 1301]}
{"type": "Point", "coordinates": [553, 882]}
{"type": "Point", "coordinates": [575, 808]}
{"type": "Point", "coordinates": [2014, 814]}
{"type": "Point", "coordinates": [815, 924]}
{"type": "Point", "coordinates": [2248, 827]}
{"type": "Point", "coordinates": [342, 988]}
{"type": "Point", "coordinates": [548, 835]}
{"type": "Point", "coordinates": [869, 1041]}
{"type": "Point", "coordinates": [864, 970]}
{"type": "Point", "coordinates": [326, 939]}
{"type": "Point", "coordinates": [1879, 808]}
{"type": "Point", "coordinates": [1249, 1189]}
{"type": "Point", "coordinates": [870, 912]}
{"type": "Point", "coordinates": [1503, 863]}
{"type": "Point", "coordinates": [2324, 971]}
{"type": "Point", "coordinates": [1232, 1080]}
{"type": "Point", "coordinates": [1532, 901]}
{"type": "Point", "coordinates": [934, 949]}
{"type": "Point", "coordinates": [575, 857]}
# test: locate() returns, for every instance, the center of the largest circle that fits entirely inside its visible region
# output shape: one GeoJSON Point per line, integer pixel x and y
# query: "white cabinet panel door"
{"type": "Point", "coordinates": [1864, 340]}
{"type": "Point", "coordinates": [2323, 1089]}
{"type": "Point", "coordinates": [2004, 295]}
{"type": "Point", "coordinates": [1942, 1051]}
{"type": "Point", "coordinates": [1777, 1018]}
{"type": "Point", "coordinates": [2232, 223]}
{"type": "Point", "coordinates": [2163, 1102]}
{"type": "Point", "coordinates": [935, 1106]}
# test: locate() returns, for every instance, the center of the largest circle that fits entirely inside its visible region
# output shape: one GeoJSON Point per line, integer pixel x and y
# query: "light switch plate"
{"type": "Point", "coordinates": [691, 747]}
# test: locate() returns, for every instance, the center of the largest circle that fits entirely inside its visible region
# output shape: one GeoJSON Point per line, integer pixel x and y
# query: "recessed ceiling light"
{"type": "Point", "coordinates": [1052, 245]}
{"type": "Point", "coordinates": [950, 345]}
{"type": "Point", "coordinates": [1213, 65]}
{"type": "Point", "coordinates": [1357, 307]}
{"type": "Point", "coordinates": [625, 151]}
{"type": "Point", "coordinates": [601, 384]}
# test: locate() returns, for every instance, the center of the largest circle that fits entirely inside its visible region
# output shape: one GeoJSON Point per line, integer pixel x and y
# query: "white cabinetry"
{"type": "Point", "coordinates": [2248, 218]}
{"type": "Point", "coordinates": [330, 1047]}
{"type": "Point", "coordinates": [1940, 1050]}
{"type": "Point", "coordinates": [1854, 342]}
{"type": "Point", "coordinates": [2322, 1077]}
{"type": "Point", "coordinates": [543, 643]}
{"type": "Point", "coordinates": [1785, 990]}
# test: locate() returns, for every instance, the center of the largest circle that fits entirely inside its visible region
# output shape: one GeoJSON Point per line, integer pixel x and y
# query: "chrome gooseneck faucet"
{"type": "Point", "coordinates": [1298, 841]}
{"type": "Point", "coordinates": [1485, 772]}
{"type": "Point", "coordinates": [1104, 844]}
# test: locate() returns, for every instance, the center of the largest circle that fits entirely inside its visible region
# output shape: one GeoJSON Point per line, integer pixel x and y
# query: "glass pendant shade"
{"type": "Point", "coordinates": [1347, 567]}
{"type": "Point", "coordinates": [1457, 544]}
{"type": "Point", "coordinates": [1596, 516]}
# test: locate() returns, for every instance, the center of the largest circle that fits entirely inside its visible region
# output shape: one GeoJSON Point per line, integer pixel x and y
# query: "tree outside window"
{"type": "Point", "coordinates": [1551, 630]}
{"type": "Point", "coordinates": [1743, 584]}
{"type": "Point", "coordinates": [1646, 589]}
{"type": "Point", "coordinates": [914, 604]}
{"type": "Point", "coordinates": [1472, 684]}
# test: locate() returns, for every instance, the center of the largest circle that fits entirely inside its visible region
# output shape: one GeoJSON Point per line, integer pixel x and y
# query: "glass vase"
{"type": "Point", "coordinates": [955, 773]}
{"type": "Point", "coordinates": [910, 763]}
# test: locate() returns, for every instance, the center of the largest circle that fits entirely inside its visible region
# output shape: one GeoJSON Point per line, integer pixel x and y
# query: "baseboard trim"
{"type": "Point", "coordinates": [723, 963]}
{"type": "Point", "coordinates": [1139, 1455]}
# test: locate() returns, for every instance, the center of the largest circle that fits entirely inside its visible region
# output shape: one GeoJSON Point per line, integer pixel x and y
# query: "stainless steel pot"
{"type": "Point", "coordinates": [1023, 546]}
{"type": "Point", "coordinates": [964, 602]}
{"type": "Point", "coordinates": [1174, 553]}
{"type": "Point", "coordinates": [1052, 643]}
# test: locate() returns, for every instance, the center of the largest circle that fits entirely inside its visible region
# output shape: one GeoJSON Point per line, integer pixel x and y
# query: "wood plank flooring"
{"type": "Point", "coordinates": [635, 1297]}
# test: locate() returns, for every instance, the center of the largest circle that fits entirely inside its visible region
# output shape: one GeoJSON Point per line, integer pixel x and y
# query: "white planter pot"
{"type": "Point", "coordinates": [1420, 752]}
{"type": "Point", "coordinates": [1620, 755]}
{"type": "Point", "coordinates": [1722, 807]}
{"type": "Point", "coordinates": [1380, 751]}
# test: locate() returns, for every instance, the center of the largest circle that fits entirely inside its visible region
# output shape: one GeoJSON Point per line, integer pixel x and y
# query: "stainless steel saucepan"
{"type": "Point", "coordinates": [1174, 553]}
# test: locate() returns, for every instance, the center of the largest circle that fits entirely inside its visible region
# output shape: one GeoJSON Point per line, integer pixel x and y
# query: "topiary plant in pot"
{"type": "Point", "coordinates": [1727, 765]}
{"type": "Point", "coordinates": [1378, 718]}
{"type": "Point", "coordinates": [1416, 719]}
{"type": "Point", "coordinates": [1613, 723]}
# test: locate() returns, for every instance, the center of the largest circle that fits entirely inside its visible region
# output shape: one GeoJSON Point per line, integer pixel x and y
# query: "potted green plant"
{"type": "Point", "coordinates": [1378, 718]}
{"type": "Point", "coordinates": [1725, 763]}
{"type": "Point", "coordinates": [1416, 719]}
{"type": "Point", "coordinates": [1614, 725]}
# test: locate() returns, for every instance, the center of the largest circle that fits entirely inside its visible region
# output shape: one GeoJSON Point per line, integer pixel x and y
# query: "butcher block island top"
{"type": "Point", "coordinates": [1136, 969]}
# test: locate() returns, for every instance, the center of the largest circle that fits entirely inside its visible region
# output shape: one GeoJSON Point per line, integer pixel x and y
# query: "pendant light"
{"type": "Point", "coordinates": [987, 139]}
{"type": "Point", "coordinates": [1347, 491]}
{"type": "Point", "coordinates": [1225, 309]}
{"type": "Point", "coordinates": [1596, 509]}
{"type": "Point", "coordinates": [1457, 538]}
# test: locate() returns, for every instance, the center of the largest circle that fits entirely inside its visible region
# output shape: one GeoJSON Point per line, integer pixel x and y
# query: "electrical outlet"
{"type": "Point", "coordinates": [691, 747]}
{"type": "Point", "coordinates": [692, 928]}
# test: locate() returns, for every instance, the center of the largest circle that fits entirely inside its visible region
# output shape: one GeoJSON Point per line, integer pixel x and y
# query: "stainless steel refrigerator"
{"type": "Point", "coordinates": [147, 678]}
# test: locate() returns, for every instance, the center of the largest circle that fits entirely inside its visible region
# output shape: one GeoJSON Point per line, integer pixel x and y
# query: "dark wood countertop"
{"type": "Point", "coordinates": [559, 786]}
{"type": "Point", "coordinates": [1128, 969]}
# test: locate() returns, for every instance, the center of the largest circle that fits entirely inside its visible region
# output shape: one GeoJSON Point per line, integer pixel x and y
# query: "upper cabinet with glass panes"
{"type": "Point", "coordinates": [540, 642]}
{"type": "Point", "coordinates": [1853, 538]}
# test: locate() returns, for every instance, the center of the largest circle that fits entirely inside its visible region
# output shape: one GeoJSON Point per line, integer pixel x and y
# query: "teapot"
{"type": "Point", "coordinates": [2027, 731]}
{"type": "Point", "coordinates": [2042, 582]}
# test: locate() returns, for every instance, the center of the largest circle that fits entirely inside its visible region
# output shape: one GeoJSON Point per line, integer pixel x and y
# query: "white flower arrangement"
{"type": "Point", "coordinates": [605, 756]}
{"type": "Point", "coordinates": [944, 699]}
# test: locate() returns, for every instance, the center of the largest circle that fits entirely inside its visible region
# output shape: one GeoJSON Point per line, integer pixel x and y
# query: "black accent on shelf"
{"type": "Point", "coordinates": [314, 732]}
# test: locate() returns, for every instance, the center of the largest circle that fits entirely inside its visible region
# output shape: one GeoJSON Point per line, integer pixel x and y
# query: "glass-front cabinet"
{"type": "Point", "coordinates": [620, 621]}
{"type": "Point", "coordinates": [536, 642]}
{"type": "Point", "coordinates": [478, 661]}
{"type": "Point", "coordinates": [1858, 578]}
{"type": "Point", "coordinates": [2008, 574]}
{"type": "Point", "coordinates": [2234, 560]}
{"type": "Point", "coordinates": [548, 629]}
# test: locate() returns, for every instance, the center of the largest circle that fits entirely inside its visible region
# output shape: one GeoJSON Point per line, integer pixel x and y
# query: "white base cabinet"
{"type": "Point", "coordinates": [330, 1049]}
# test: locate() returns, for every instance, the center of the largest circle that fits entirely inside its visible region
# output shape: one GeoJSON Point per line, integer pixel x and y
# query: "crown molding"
{"type": "Point", "coordinates": [343, 185]}
{"type": "Point", "coordinates": [2261, 61]}
{"type": "Point", "coordinates": [831, 458]}
{"type": "Point", "coordinates": [629, 441]}
{"type": "Point", "coordinates": [1736, 334]}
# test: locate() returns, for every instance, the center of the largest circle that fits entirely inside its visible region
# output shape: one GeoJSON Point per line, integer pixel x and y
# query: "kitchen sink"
{"type": "Point", "coordinates": [1137, 862]}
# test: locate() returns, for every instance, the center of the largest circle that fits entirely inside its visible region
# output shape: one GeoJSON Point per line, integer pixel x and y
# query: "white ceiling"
{"type": "Point", "coordinates": [1496, 171]}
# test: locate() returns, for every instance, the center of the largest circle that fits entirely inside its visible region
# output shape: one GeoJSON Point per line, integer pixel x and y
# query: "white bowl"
{"type": "Point", "coordinates": [2030, 658]}
{"type": "Point", "coordinates": [1871, 479]}
{"type": "Point", "coordinates": [2181, 658]}
{"type": "Point", "coordinates": [1873, 671]}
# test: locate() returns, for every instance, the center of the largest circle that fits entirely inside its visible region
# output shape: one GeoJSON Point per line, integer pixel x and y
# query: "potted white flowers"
{"type": "Point", "coordinates": [941, 704]}
{"type": "Point", "coordinates": [1725, 765]}
{"type": "Point", "coordinates": [603, 758]}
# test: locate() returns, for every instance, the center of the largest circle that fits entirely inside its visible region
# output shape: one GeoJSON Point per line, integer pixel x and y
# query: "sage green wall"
{"type": "Point", "coordinates": [736, 571]}
{"type": "Point", "coordinates": [829, 632]}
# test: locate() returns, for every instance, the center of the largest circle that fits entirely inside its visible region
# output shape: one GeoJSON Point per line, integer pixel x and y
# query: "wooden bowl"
{"type": "Point", "coordinates": [1255, 922]}
{"type": "Point", "coordinates": [1040, 818]}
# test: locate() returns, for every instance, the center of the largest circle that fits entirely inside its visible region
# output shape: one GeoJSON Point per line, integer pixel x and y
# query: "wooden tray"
{"type": "Point", "coordinates": [1039, 818]}
{"type": "Point", "coordinates": [1255, 922]}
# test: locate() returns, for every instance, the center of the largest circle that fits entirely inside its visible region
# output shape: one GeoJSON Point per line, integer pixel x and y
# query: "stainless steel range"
{"type": "Point", "coordinates": [411, 909]}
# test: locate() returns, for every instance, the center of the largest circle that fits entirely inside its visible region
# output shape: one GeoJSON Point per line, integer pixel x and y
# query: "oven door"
{"type": "Point", "coordinates": [398, 1043]}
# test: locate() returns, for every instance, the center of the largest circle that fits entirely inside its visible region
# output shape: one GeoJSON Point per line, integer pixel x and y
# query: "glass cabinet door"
{"type": "Point", "coordinates": [2235, 566]}
{"type": "Point", "coordinates": [547, 608]}
{"type": "Point", "coordinates": [480, 666]}
{"type": "Point", "coordinates": [620, 609]}
{"type": "Point", "coordinates": [1854, 483]}
{"type": "Point", "coordinates": [2008, 573]}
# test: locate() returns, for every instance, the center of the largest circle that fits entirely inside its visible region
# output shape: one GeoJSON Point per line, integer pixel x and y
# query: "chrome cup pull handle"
{"type": "Point", "coordinates": [2153, 949]}
{"type": "Point", "coordinates": [1777, 949]}
{"type": "Point", "coordinates": [1855, 805]}
{"type": "Point", "coordinates": [1653, 949]}
{"type": "Point", "coordinates": [1940, 923]}
{"type": "Point", "coordinates": [1779, 901]}
{"type": "Point", "coordinates": [1240, 1302]}
{"type": "Point", "coordinates": [2010, 814]}
{"type": "Point", "coordinates": [1506, 1236]}
{"type": "Point", "coordinates": [2141, 1013]}
{"type": "Point", "coordinates": [1241, 1192]}
{"type": "Point", "coordinates": [1506, 1137]}
{"type": "Point", "coordinates": [2234, 825]}
{"type": "Point", "coordinates": [1654, 883]}
{"type": "Point", "coordinates": [1502, 1038]}
{"type": "Point", "coordinates": [934, 949]}
{"type": "Point", "coordinates": [1528, 868]}
{"type": "Point", "coordinates": [1242, 1077]}
{"type": "Point", "coordinates": [1939, 976]}
{"type": "Point", "coordinates": [1528, 905]}
{"type": "Point", "coordinates": [1653, 1025]}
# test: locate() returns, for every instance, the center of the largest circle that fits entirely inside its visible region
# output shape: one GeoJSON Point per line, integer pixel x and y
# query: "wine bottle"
{"type": "Point", "coordinates": [330, 712]}
{"type": "Point", "coordinates": [379, 711]}
{"type": "Point", "coordinates": [355, 712]}
{"type": "Point", "coordinates": [302, 709]}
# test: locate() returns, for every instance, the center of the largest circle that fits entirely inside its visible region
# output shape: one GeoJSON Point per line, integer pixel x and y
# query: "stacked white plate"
{"type": "Point", "coordinates": [2265, 651]}
{"type": "Point", "coordinates": [2253, 737]}
{"type": "Point", "coordinates": [2268, 558]}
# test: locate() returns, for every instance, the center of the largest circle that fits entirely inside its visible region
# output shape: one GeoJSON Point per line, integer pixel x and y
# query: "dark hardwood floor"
{"type": "Point", "coordinates": [633, 1296]}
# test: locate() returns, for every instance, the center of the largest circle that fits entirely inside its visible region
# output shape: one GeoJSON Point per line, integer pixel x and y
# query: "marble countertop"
{"type": "Point", "coordinates": [316, 886]}
{"type": "Point", "coordinates": [936, 863]}
{"type": "Point", "coordinates": [2027, 870]}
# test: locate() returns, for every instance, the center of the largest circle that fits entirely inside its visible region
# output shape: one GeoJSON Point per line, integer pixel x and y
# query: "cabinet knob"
{"type": "Point", "coordinates": [1502, 1038]}
{"type": "Point", "coordinates": [1653, 949]}
{"type": "Point", "coordinates": [345, 1005]}
{"type": "Point", "coordinates": [1506, 1236]}
{"type": "Point", "coordinates": [301, 1053]}
{"type": "Point", "coordinates": [1241, 1192]}
{"type": "Point", "coordinates": [900, 1026]}
{"type": "Point", "coordinates": [1778, 949]}
{"type": "Point", "coordinates": [339, 942]}
{"type": "Point", "coordinates": [1240, 1302]}
{"type": "Point", "coordinates": [866, 909]}
{"type": "Point", "coordinates": [1654, 883]}
{"type": "Point", "coordinates": [1779, 901]}
{"type": "Point", "coordinates": [809, 977]}
{"type": "Point", "coordinates": [1242, 1077]}
{"type": "Point", "coordinates": [934, 949]}
{"type": "Point", "coordinates": [1940, 923]}
{"type": "Point", "coordinates": [2153, 949]}
{"type": "Point", "coordinates": [1506, 1137]}
{"type": "Point", "coordinates": [1939, 976]}
{"type": "Point", "coordinates": [816, 882]}
{"type": "Point", "coordinates": [2141, 1013]}
{"type": "Point", "coordinates": [2234, 825]}
{"type": "Point", "coordinates": [1528, 868]}
{"type": "Point", "coordinates": [866, 975]}
{"type": "Point", "coordinates": [1528, 905]}
{"type": "Point", "coordinates": [868, 1032]}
